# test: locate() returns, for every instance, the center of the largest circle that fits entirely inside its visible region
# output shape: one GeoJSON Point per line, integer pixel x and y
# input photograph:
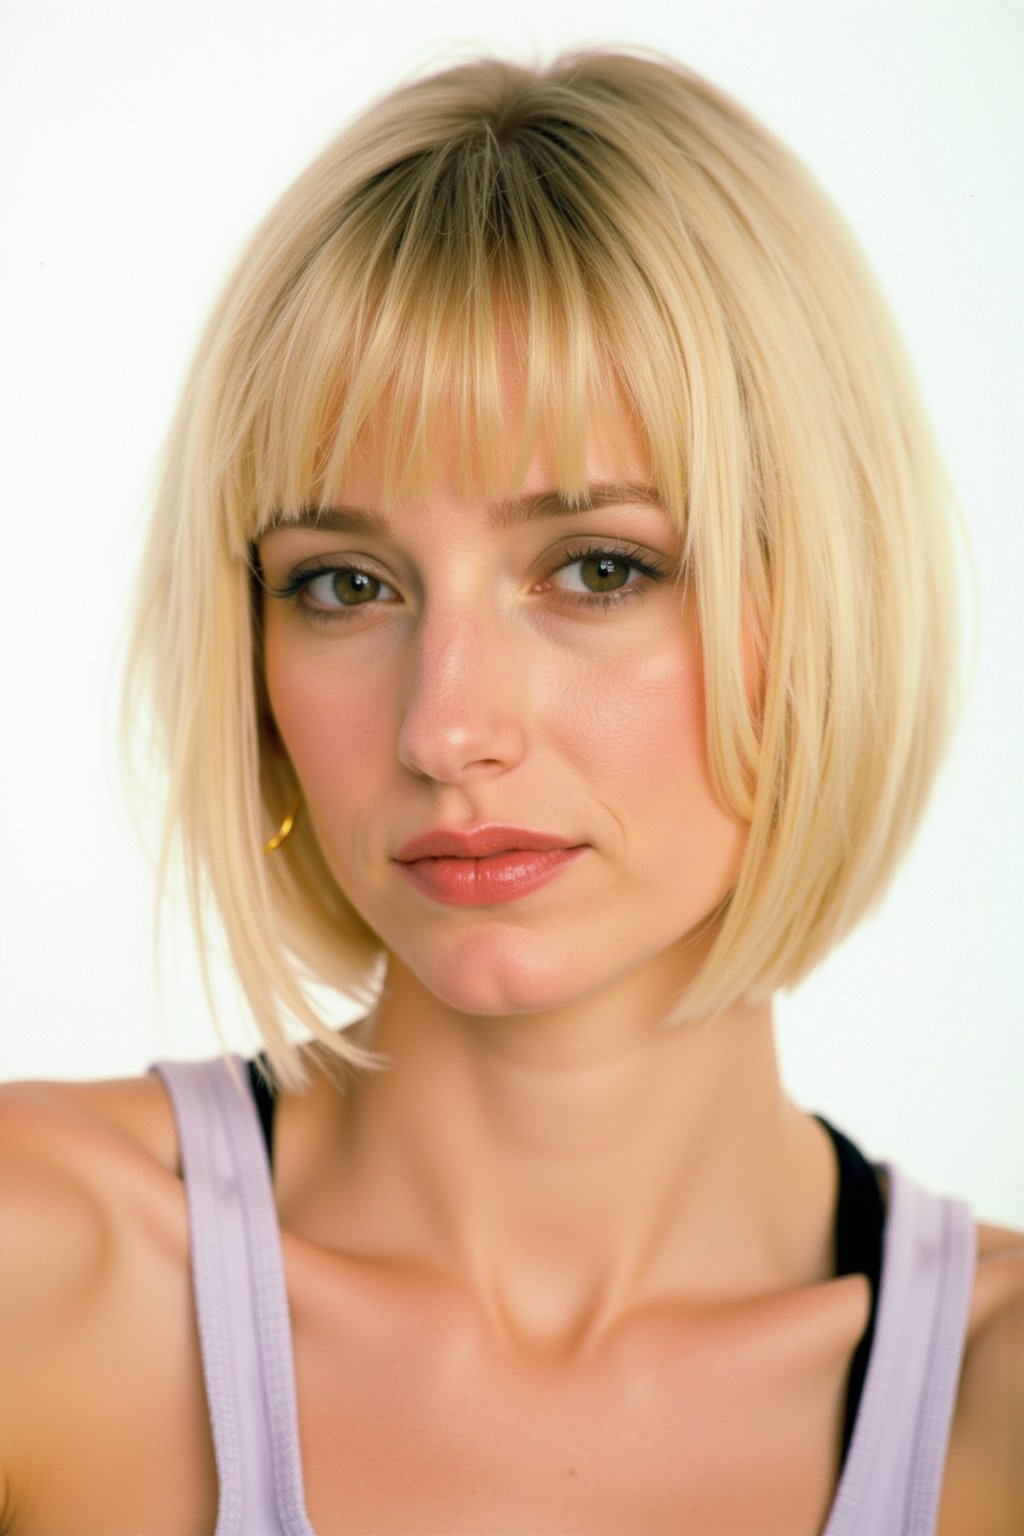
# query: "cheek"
{"type": "Point", "coordinates": [640, 726]}
{"type": "Point", "coordinates": [332, 734]}
{"type": "Point", "coordinates": [646, 736]}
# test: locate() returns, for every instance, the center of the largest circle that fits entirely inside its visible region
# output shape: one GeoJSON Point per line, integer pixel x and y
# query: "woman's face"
{"type": "Point", "coordinates": [520, 664]}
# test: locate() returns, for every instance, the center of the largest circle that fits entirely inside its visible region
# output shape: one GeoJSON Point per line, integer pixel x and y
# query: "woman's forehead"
{"type": "Point", "coordinates": [358, 514]}
{"type": "Point", "coordinates": [608, 451]}
{"type": "Point", "coordinates": [490, 424]}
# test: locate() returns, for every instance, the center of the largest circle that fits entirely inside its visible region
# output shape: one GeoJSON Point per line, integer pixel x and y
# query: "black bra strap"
{"type": "Point", "coordinates": [265, 1098]}
{"type": "Point", "coordinates": [860, 1226]}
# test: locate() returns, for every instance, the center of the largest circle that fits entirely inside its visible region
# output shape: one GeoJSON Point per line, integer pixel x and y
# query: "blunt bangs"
{"type": "Point", "coordinates": [437, 279]}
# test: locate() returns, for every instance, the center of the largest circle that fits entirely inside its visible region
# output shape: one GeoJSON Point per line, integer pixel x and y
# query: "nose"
{"type": "Point", "coordinates": [464, 709]}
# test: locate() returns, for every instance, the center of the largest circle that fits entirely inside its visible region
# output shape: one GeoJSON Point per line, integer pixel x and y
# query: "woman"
{"type": "Point", "coordinates": [548, 618]}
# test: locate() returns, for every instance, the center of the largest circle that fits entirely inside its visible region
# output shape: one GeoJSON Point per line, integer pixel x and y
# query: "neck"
{"type": "Point", "coordinates": [571, 1167]}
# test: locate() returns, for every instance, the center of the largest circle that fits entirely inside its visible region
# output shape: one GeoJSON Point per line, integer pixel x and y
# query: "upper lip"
{"type": "Point", "coordinates": [476, 843]}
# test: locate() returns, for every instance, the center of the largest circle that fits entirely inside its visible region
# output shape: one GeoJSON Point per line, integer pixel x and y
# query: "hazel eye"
{"type": "Point", "coordinates": [603, 577]}
{"type": "Point", "coordinates": [344, 587]}
{"type": "Point", "coordinates": [604, 572]}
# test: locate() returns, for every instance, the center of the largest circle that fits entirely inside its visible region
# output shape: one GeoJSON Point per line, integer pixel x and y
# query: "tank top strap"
{"type": "Point", "coordinates": [241, 1300]}
{"type": "Point", "coordinates": [892, 1477]}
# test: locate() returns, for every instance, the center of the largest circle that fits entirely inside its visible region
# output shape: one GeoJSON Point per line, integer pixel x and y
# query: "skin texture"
{"type": "Point", "coordinates": [483, 690]}
{"type": "Point", "coordinates": [559, 1268]}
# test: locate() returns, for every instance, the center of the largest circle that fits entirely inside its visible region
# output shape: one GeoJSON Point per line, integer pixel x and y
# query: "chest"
{"type": "Point", "coordinates": [408, 1422]}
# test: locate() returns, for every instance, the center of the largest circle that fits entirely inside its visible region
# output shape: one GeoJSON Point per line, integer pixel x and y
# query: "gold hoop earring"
{"type": "Point", "coordinates": [284, 831]}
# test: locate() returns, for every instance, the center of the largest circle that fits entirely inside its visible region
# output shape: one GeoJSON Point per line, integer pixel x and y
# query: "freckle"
{"type": "Point", "coordinates": [570, 1471]}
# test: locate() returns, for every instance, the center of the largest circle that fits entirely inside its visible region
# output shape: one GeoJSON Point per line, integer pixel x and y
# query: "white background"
{"type": "Point", "coordinates": [141, 141]}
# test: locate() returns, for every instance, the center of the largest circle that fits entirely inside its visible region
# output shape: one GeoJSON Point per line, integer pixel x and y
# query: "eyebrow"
{"type": "Point", "coordinates": [509, 513]}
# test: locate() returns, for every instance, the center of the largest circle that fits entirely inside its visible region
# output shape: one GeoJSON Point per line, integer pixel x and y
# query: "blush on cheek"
{"type": "Point", "coordinates": [645, 723]}
{"type": "Point", "coordinates": [656, 742]}
{"type": "Point", "coordinates": [333, 736]}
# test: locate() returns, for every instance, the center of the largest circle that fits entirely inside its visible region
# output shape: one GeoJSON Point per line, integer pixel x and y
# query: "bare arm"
{"type": "Point", "coordinates": [103, 1422]}
{"type": "Point", "coordinates": [984, 1488]}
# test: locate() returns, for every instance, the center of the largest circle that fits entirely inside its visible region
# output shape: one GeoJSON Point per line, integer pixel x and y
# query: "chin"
{"type": "Point", "coordinates": [496, 974]}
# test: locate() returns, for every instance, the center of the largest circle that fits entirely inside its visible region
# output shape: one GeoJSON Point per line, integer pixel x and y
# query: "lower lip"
{"type": "Point", "coordinates": [488, 882]}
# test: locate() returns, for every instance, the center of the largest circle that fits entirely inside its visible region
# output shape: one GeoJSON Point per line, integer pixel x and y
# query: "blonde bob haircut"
{"type": "Point", "coordinates": [642, 239]}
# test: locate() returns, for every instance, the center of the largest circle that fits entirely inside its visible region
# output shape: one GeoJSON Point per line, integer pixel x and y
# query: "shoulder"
{"type": "Point", "coordinates": [66, 1149]}
{"type": "Point", "coordinates": [69, 1153]}
{"type": "Point", "coordinates": [88, 1173]}
{"type": "Point", "coordinates": [984, 1489]}
{"type": "Point", "coordinates": [134, 1111]}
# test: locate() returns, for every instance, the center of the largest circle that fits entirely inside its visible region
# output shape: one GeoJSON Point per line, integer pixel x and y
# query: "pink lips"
{"type": "Point", "coordinates": [485, 865]}
{"type": "Point", "coordinates": [476, 843]}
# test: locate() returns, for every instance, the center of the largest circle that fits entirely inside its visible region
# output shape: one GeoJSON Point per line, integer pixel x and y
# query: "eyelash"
{"type": "Point", "coordinates": [298, 583]}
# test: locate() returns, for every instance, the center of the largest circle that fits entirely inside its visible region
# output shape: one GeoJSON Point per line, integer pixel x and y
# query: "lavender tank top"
{"type": "Point", "coordinates": [892, 1476]}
